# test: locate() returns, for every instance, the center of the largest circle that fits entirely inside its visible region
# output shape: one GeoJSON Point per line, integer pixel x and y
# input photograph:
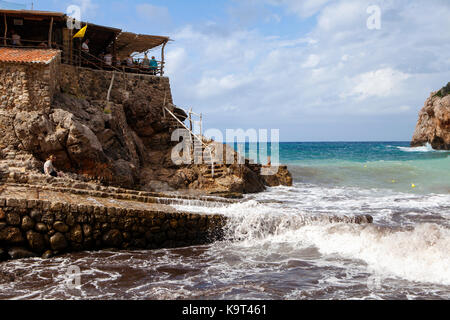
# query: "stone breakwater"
{"type": "Point", "coordinates": [31, 228]}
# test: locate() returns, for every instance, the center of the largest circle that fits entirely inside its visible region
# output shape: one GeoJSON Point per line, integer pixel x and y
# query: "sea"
{"type": "Point", "coordinates": [282, 244]}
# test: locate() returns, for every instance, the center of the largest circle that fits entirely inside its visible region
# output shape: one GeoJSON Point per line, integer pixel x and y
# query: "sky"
{"type": "Point", "coordinates": [317, 70]}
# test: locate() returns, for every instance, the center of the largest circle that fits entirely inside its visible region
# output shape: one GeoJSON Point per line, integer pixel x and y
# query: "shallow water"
{"type": "Point", "coordinates": [280, 246]}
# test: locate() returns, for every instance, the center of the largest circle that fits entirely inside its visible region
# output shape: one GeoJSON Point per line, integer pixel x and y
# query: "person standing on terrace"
{"type": "Point", "coordinates": [153, 66]}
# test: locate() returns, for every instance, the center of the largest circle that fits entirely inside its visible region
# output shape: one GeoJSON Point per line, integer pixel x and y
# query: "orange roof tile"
{"type": "Point", "coordinates": [23, 55]}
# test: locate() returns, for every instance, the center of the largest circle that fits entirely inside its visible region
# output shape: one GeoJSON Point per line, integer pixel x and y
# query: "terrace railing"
{"type": "Point", "coordinates": [85, 59]}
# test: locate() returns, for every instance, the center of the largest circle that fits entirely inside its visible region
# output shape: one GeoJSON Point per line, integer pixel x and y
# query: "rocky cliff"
{"type": "Point", "coordinates": [124, 141]}
{"type": "Point", "coordinates": [433, 125]}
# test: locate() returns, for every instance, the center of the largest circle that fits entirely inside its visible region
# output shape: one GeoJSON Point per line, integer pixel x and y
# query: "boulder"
{"type": "Point", "coordinates": [11, 235]}
{"type": "Point", "coordinates": [27, 223]}
{"type": "Point", "coordinates": [60, 227]}
{"type": "Point", "coordinates": [36, 241]}
{"type": "Point", "coordinates": [20, 253]}
{"type": "Point", "coordinates": [113, 238]}
{"type": "Point", "coordinates": [58, 242]}
{"type": "Point", "coordinates": [13, 218]}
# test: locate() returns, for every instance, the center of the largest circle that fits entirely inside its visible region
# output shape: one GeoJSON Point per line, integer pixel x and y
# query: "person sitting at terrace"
{"type": "Point", "coordinates": [118, 61]}
{"type": "Point", "coordinates": [153, 66]}
{"type": "Point", "coordinates": [130, 62]}
{"type": "Point", "coordinates": [108, 58]}
{"type": "Point", "coordinates": [85, 46]}
{"type": "Point", "coordinates": [15, 38]}
{"type": "Point", "coordinates": [48, 167]}
{"type": "Point", "coordinates": [146, 62]}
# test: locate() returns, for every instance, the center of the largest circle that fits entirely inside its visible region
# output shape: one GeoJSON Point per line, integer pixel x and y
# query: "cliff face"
{"type": "Point", "coordinates": [433, 125]}
{"type": "Point", "coordinates": [123, 142]}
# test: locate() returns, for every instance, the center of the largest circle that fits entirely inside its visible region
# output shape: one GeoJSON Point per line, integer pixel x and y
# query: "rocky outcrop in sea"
{"type": "Point", "coordinates": [433, 126]}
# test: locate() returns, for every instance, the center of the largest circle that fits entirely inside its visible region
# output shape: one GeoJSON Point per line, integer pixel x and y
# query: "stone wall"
{"type": "Point", "coordinates": [83, 83]}
{"type": "Point", "coordinates": [43, 228]}
{"type": "Point", "coordinates": [28, 86]}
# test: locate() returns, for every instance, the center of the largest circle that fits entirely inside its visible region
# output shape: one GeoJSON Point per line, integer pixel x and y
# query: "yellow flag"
{"type": "Point", "coordinates": [81, 33]}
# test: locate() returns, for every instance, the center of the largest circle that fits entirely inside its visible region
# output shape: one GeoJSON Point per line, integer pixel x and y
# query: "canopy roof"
{"type": "Point", "coordinates": [100, 36]}
{"type": "Point", "coordinates": [34, 15]}
{"type": "Point", "coordinates": [127, 43]}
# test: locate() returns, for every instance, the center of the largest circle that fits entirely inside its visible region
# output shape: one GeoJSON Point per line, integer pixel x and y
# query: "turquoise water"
{"type": "Point", "coordinates": [367, 165]}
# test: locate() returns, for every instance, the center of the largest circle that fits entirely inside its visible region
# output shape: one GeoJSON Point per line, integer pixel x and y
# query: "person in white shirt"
{"type": "Point", "coordinates": [85, 46]}
{"type": "Point", "coordinates": [108, 59]}
{"type": "Point", "coordinates": [49, 169]}
{"type": "Point", "coordinates": [15, 38]}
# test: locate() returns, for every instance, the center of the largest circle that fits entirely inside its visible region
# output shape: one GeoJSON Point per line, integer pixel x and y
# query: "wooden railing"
{"type": "Point", "coordinates": [86, 59]}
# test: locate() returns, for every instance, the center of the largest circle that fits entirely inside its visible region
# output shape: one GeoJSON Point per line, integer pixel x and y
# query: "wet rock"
{"type": "Point", "coordinates": [20, 253]}
{"type": "Point", "coordinates": [13, 219]}
{"type": "Point", "coordinates": [27, 223]}
{"type": "Point", "coordinates": [87, 230]}
{"type": "Point", "coordinates": [3, 255]}
{"type": "Point", "coordinates": [58, 242]}
{"type": "Point", "coordinates": [11, 235]}
{"type": "Point", "coordinates": [41, 227]}
{"type": "Point", "coordinates": [36, 241]}
{"type": "Point", "coordinates": [47, 254]}
{"type": "Point", "coordinates": [60, 227]}
{"type": "Point", "coordinates": [113, 238]}
{"type": "Point", "coordinates": [76, 234]}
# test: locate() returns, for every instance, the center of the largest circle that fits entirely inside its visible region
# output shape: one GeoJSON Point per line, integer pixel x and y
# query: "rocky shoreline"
{"type": "Point", "coordinates": [95, 220]}
{"type": "Point", "coordinates": [113, 143]}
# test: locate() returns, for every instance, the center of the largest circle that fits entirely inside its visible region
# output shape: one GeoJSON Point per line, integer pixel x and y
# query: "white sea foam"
{"type": "Point", "coordinates": [298, 219]}
{"type": "Point", "coordinates": [421, 254]}
{"type": "Point", "coordinates": [425, 148]}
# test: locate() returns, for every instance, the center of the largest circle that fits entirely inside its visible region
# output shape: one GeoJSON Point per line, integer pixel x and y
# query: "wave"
{"type": "Point", "coordinates": [418, 253]}
{"type": "Point", "coordinates": [425, 148]}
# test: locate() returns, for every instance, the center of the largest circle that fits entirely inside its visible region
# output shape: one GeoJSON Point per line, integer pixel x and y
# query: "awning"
{"type": "Point", "coordinates": [34, 15]}
{"type": "Point", "coordinates": [128, 42]}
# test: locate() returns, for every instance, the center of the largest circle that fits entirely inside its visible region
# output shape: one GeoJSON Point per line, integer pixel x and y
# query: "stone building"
{"type": "Point", "coordinates": [29, 78]}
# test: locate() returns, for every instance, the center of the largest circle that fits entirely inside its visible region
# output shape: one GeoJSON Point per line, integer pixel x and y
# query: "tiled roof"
{"type": "Point", "coordinates": [23, 55]}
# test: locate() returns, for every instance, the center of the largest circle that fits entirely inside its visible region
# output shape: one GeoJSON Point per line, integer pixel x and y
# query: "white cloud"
{"type": "Point", "coordinates": [303, 8]}
{"type": "Point", "coordinates": [379, 83]}
{"type": "Point", "coordinates": [153, 14]}
{"type": "Point", "coordinates": [339, 69]}
{"type": "Point", "coordinates": [312, 61]}
{"type": "Point", "coordinates": [88, 9]}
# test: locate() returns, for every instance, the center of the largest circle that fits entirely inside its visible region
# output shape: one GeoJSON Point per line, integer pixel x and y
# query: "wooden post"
{"type": "Point", "coordinates": [50, 31]}
{"type": "Point", "coordinates": [162, 58]}
{"type": "Point", "coordinates": [201, 129]}
{"type": "Point", "coordinates": [6, 30]}
{"type": "Point", "coordinates": [190, 119]}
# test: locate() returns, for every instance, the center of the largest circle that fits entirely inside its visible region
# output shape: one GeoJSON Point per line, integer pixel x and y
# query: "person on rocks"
{"type": "Point", "coordinates": [49, 169]}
